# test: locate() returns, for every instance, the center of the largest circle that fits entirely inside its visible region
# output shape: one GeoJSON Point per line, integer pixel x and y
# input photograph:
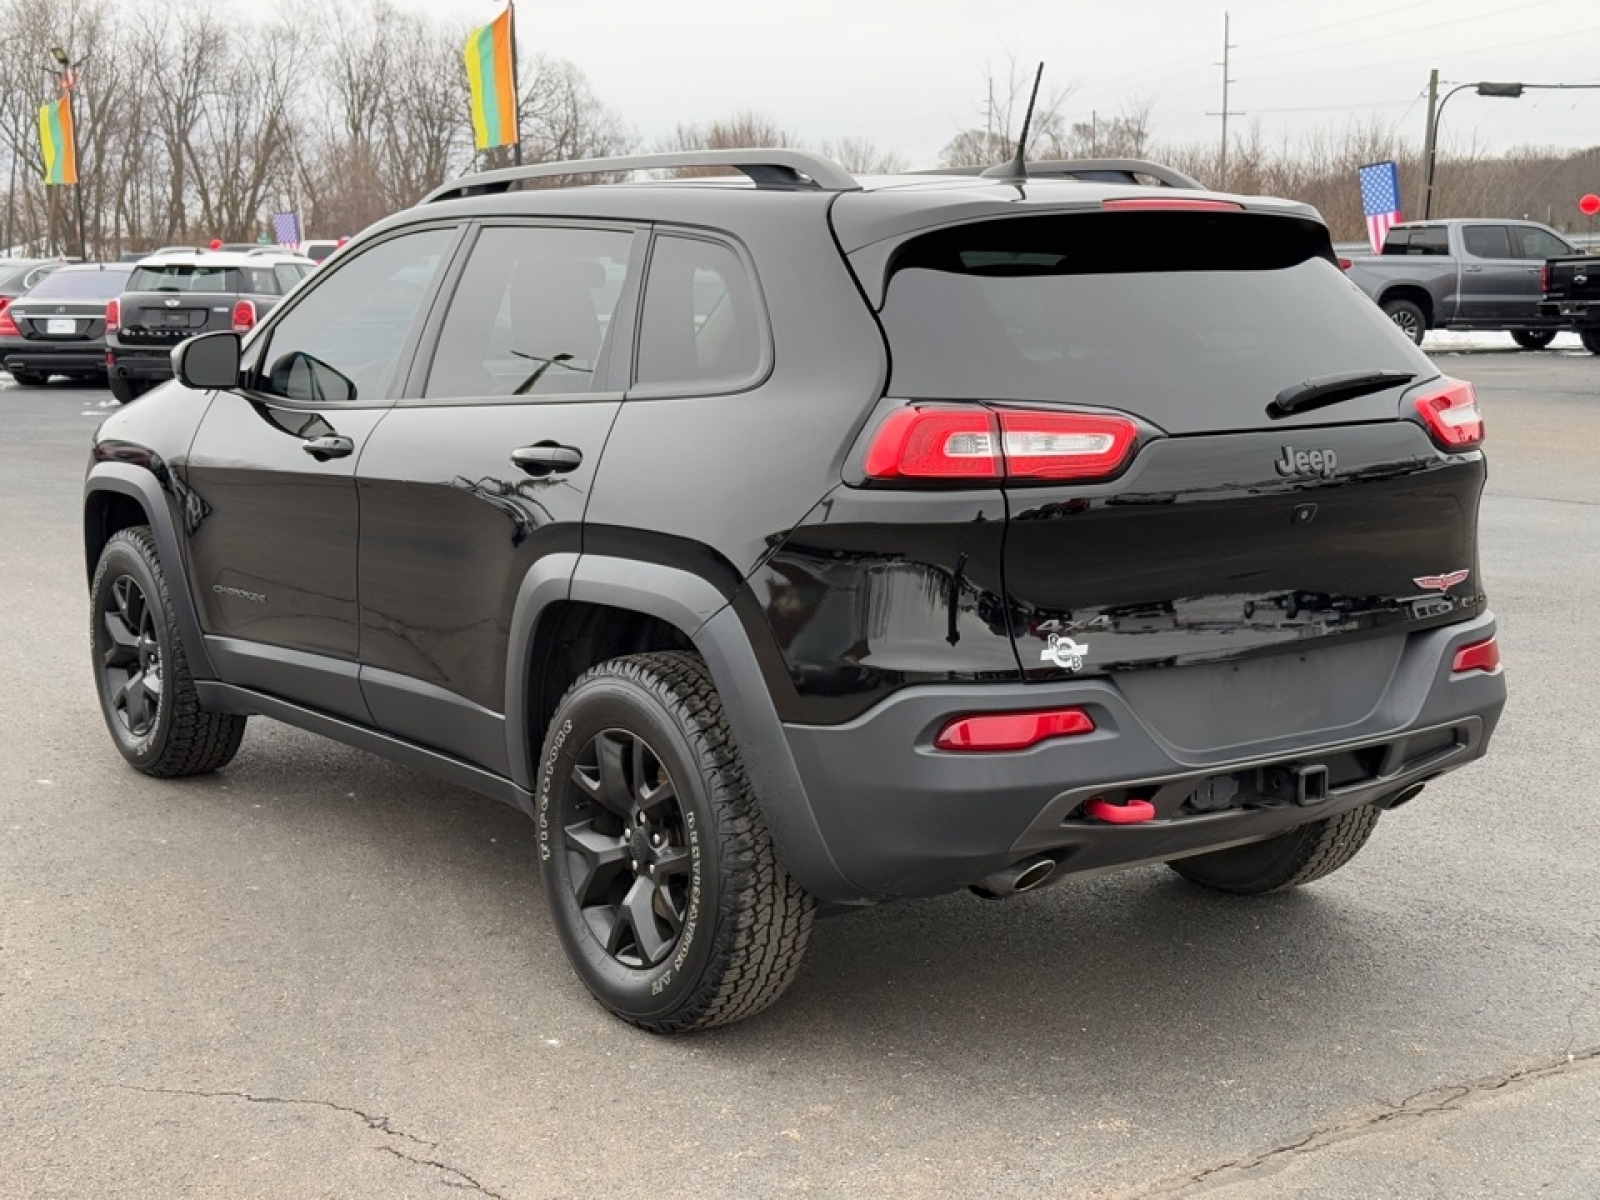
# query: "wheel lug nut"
{"type": "Point", "coordinates": [634, 865]}
{"type": "Point", "coordinates": [655, 839]}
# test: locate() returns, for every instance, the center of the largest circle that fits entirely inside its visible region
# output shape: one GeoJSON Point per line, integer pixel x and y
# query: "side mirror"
{"type": "Point", "coordinates": [207, 362]}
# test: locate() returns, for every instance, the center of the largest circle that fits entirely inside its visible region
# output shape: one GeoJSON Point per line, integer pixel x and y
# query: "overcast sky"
{"type": "Point", "coordinates": [909, 74]}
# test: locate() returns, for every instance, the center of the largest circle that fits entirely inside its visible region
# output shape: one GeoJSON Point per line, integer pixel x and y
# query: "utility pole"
{"type": "Point", "coordinates": [1427, 140]}
{"type": "Point", "coordinates": [1227, 48]}
{"type": "Point", "coordinates": [1094, 133]}
{"type": "Point", "coordinates": [516, 84]}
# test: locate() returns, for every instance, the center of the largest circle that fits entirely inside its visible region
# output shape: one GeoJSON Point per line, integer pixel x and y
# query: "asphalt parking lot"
{"type": "Point", "coordinates": [317, 974]}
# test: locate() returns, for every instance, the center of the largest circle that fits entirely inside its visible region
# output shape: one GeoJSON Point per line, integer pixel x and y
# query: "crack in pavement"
{"type": "Point", "coordinates": [1422, 1104]}
{"type": "Point", "coordinates": [1541, 499]}
{"type": "Point", "coordinates": [378, 1124]}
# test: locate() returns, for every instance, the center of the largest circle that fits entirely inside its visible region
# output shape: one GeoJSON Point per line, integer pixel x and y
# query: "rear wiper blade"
{"type": "Point", "coordinates": [1330, 389]}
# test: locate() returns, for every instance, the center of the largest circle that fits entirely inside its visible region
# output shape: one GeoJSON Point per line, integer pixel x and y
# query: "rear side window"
{"type": "Point", "coordinates": [1536, 243]}
{"type": "Point", "coordinates": [79, 285]}
{"type": "Point", "coordinates": [1433, 240]}
{"type": "Point", "coordinates": [1487, 241]}
{"type": "Point", "coordinates": [288, 275]}
{"type": "Point", "coordinates": [1193, 321]}
{"type": "Point", "coordinates": [531, 313]}
{"type": "Point", "coordinates": [700, 319]}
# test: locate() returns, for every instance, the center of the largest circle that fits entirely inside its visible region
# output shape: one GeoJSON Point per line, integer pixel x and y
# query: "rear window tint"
{"type": "Point", "coordinates": [1194, 321]}
{"type": "Point", "coordinates": [184, 277]}
{"type": "Point", "coordinates": [79, 285]}
{"type": "Point", "coordinates": [700, 321]}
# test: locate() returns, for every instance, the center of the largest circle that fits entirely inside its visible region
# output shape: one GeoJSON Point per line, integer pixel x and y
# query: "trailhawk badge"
{"type": "Point", "coordinates": [1441, 583]}
{"type": "Point", "coordinates": [1064, 653]}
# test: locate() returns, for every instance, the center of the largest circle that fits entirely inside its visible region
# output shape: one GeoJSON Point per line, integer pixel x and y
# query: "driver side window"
{"type": "Point", "coordinates": [342, 341]}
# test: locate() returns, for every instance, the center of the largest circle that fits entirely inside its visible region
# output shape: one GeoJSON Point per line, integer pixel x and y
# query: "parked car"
{"type": "Point", "coordinates": [1571, 286]}
{"type": "Point", "coordinates": [17, 275]}
{"type": "Point", "coordinates": [1464, 274]}
{"type": "Point", "coordinates": [795, 543]}
{"type": "Point", "coordinates": [58, 326]}
{"type": "Point", "coordinates": [318, 250]}
{"type": "Point", "coordinates": [177, 294]}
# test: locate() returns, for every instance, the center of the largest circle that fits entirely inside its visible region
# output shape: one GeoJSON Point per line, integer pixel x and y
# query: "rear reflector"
{"type": "Point", "coordinates": [977, 443]}
{"type": "Point", "coordinates": [1012, 731]}
{"type": "Point", "coordinates": [1480, 656]}
{"type": "Point", "coordinates": [1147, 204]}
{"type": "Point", "coordinates": [1452, 415]}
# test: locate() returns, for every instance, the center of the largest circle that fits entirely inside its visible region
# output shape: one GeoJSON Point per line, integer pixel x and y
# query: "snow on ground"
{"type": "Point", "coordinates": [1443, 341]}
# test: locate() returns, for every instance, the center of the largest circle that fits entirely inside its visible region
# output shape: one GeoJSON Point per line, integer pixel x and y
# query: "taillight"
{"type": "Point", "coordinates": [979, 443]}
{"type": "Point", "coordinates": [1544, 279]}
{"type": "Point", "coordinates": [113, 315]}
{"type": "Point", "coordinates": [992, 732]}
{"type": "Point", "coordinates": [1452, 415]}
{"type": "Point", "coordinates": [1345, 264]}
{"type": "Point", "coordinates": [8, 327]}
{"type": "Point", "coordinates": [244, 316]}
{"type": "Point", "coordinates": [1480, 656]}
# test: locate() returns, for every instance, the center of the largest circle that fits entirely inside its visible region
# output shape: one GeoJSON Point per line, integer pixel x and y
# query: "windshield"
{"type": "Point", "coordinates": [184, 277]}
{"type": "Point", "coordinates": [1193, 321]}
{"type": "Point", "coordinates": [68, 284]}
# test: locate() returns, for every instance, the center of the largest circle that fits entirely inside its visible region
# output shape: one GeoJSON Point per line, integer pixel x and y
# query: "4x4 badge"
{"type": "Point", "coordinates": [1441, 583]}
{"type": "Point", "coordinates": [1064, 653]}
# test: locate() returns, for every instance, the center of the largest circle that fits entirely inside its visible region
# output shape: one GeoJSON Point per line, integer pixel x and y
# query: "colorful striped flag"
{"type": "Point", "coordinates": [491, 77]}
{"type": "Point", "coordinates": [55, 136]}
{"type": "Point", "coordinates": [1380, 200]}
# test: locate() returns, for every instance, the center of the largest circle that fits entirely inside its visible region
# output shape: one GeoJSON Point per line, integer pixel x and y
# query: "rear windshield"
{"type": "Point", "coordinates": [1192, 320]}
{"type": "Point", "coordinates": [80, 285]}
{"type": "Point", "coordinates": [208, 280]}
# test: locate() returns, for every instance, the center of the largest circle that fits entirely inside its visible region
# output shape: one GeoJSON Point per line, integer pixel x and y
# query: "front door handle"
{"type": "Point", "coordinates": [1473, 270]}
{"type": "Point", "coordinates": [546, 458]}
{"type": "Point", "coordinates": [323, 448]}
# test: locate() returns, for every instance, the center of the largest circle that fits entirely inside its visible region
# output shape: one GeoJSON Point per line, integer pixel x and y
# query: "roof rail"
{"type": "Point", "coordinates": [766, 168]}
{"type": "Point", "coordinates": [1092, 170]}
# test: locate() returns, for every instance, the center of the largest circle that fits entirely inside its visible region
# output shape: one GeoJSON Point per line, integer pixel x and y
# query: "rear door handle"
{"type": "Point", "coordinates": [546, 458]}
{"type": "Point", "coordinates": [1473, 270]}
{"type": "Point", "coordinates": [323, 448]}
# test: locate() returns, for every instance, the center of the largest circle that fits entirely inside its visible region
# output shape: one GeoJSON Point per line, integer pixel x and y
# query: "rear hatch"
{"type": "Point", "coordinates": [1573, 279]}
{"type": "Point", "coordinates": [1218, 530]}
{"type": "Point", "coordinates": [168, 302]}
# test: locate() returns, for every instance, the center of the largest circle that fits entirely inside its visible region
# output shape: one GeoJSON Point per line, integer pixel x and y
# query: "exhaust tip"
{"type": "Point", "coordinates": [1034, 874]}
{"type": "Point", "coordinates": [1019, 877]}
{"type": "Point", "coordinates": [1403, 796]}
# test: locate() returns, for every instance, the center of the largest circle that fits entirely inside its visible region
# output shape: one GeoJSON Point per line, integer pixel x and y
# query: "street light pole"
{"type": "Point", "coordinates": [1505, 91]}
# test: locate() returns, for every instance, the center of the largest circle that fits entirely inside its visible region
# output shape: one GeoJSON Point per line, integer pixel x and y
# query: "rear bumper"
{"type": "Point", "coordinates": [1571, 312]}
{"type": "Point", "coordinates": [901, 818]}
{"type": "Point", "coordinates": [56, 360]}
{"type": "Point", "coordinates": [140, 362]}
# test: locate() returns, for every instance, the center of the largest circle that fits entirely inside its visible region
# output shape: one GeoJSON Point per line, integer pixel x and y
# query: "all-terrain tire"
{"type": "Point", "coordinates": [147, 693]}
{"type": "Point", "coordinates": [1409, 317]}
{"type": "Point", "coordinates": [1590, 339]}
{"type": "Point", "coordinates": [674, 911]}
{"type": "Point", "coordinates": [1533, 339]}
{"type": "Point", "coordinates": [1289, 860]}
{"type": "Point", "coordinates": [124, 390]}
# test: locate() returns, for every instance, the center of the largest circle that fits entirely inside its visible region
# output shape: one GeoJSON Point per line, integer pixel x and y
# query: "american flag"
{"type": "Point", "coordinates": [286, 228]}
{"type": "Point", "coordinates": [1380, 200]}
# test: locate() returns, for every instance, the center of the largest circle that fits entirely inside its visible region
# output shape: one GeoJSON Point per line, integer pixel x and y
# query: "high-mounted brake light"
{"type": "Point", "coordinates": [1480, 656]}
{"type": "Point", "coordinates": [113, 315]}
{"type": "Point", "coordinates": [979, 443]}
{"type": "Point", "coordinates": [994, 732]}
{"type": "Point", "coordinates": [244, 316]}
{"type": "Point", "coordinates": [1176, 204]}
{"type": "Point", "coordinates": [1452, 415]}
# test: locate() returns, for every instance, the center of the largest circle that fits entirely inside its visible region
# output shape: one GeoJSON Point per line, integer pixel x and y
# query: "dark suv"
{"type": "Point", "coordinates": [794, 542]}
{"type": "Point", "coordinates": [176, 294]}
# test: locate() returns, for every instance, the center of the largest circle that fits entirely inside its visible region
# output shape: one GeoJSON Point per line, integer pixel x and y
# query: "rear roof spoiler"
{"type": "Point", "coordinates": [1092, 170]}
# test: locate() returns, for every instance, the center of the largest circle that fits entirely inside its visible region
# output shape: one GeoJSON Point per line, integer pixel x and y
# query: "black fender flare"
{"type": "Point", "coordinates": [140, 484]}
{"type": "Point", "coordinates": [699, 609]}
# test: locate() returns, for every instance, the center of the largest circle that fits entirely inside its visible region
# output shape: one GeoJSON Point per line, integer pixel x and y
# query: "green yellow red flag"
{"type": "Point", "coordinates": [492, 78]}
{"type": "Point", "coordinates": [55, 137]}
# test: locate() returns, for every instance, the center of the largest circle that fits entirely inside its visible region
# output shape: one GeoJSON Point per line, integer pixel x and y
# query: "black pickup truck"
{"type": "Point", "coordinates": [177, 294]}
{"type": "Point", "coordinates": [1572, 296]}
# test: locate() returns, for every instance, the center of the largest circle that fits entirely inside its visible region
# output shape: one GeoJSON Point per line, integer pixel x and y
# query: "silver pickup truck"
{"type": "Point", "coordinates": [1464, 274]}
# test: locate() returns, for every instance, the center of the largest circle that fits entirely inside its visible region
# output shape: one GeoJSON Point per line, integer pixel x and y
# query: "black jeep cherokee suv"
{"type": "Point", "coordinates": [793, 542]}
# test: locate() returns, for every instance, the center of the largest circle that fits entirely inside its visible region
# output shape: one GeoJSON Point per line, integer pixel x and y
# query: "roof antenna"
{"type": "Point", "coordinates": [1017, 169]}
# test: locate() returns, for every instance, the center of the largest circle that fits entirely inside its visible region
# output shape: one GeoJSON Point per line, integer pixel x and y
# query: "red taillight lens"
{"type": "Point", "coordinates": [976, 443]}
{"type": "Point", "coordinates": [113, 315]}
{"type": "Point", "coordinates": [8, 327]}
{"type": "Point", "coordinates": [244, 316]}
{"type": "Point", "coordinates": [935, 443]}
{"type": "Point", "coordinates": [1151, 203]}
{"type": "Point", "coordinates": [1544, 278]}
{"type": "Point", "coordinates": [1452, 416]}
{"type": "Point", "coordinates": [1480, 656]}
{"type": "Point", "coordinates": [991, 732]}
{"type": "Point", "coordinates": [1345, 264]}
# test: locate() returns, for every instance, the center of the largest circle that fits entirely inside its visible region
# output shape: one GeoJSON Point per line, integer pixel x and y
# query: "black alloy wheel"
{"type": "Point", "coordinates": [130, 660]}
{"type": "Point", "coordinates": [627, 849]}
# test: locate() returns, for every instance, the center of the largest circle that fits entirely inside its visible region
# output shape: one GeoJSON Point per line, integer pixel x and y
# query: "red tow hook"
{"type": "Point", "coordinates": [1130, 812]}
